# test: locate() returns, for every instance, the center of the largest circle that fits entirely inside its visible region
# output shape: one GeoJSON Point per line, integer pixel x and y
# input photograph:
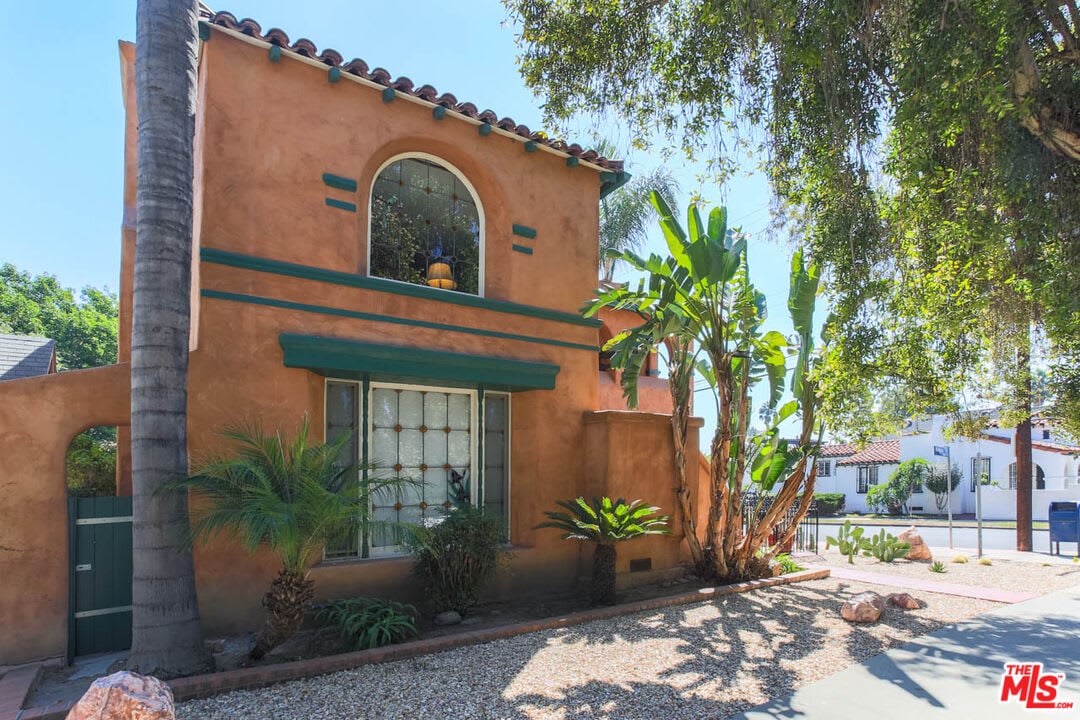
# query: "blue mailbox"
{"type": "Point", "coordinates": [1064, 524]}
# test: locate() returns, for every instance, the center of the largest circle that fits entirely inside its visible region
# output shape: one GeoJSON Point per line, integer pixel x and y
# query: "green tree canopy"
{"type": "Point", "coordinates": [84, 329]}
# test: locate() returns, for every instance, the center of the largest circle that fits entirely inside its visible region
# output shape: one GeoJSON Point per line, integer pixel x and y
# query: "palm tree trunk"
{"type": "Point", "coordinates": [603, 574]}
{"type": "Point", "coordinates": [286, 603]}
{"type": "Point", "coordinates": [166, 638]}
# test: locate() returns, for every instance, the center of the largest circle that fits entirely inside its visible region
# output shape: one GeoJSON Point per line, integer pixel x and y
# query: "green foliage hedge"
{"type": "Point", "coordinates": [829, 503]}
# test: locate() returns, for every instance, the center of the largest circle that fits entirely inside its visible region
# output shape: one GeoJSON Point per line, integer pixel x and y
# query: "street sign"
{"type": "Point", "coordinates": [941, 451]}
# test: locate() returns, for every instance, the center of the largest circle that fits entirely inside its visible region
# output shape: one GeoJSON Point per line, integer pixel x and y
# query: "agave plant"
{"type": "Point", "coordinates": [289, 496]}
{"type": "Point", "coordinates": [605, 522]}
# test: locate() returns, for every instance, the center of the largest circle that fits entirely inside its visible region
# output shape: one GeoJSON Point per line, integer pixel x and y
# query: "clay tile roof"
{"type": "Point", "coordinates": [879, 453]}
{"type": "Point", "coordinates": [1056, 447]}
{"type": "Point", "coordinates": [832, 451]}
{"type": "Point", "coordinates": [427, 93]}
{"type": "Point", "coordinates": [23, 356]}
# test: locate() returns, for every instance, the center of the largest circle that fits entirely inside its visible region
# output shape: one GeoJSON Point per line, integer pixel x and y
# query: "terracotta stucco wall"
{"type": "Point", "coordinates": [38, 418]}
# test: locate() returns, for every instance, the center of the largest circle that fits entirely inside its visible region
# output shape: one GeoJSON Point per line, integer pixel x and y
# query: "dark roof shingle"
{"type": "Point", "coordinates": [23, 356]}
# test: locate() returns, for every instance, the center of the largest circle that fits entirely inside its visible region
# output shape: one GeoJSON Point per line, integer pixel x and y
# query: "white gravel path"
{"type": "Point", "coordinates": [707, 660]}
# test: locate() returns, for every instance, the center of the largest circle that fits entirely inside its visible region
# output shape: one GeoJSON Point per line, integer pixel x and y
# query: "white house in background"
{"type": "Point", "coordinates": [1055, 474]}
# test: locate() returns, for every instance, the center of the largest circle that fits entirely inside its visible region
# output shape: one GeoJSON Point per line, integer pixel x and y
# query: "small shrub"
{"type": "Point", "coordinates": [985, 561]}
{"type": "Point", "coordinates": [848, 540]}
{"type": "Point", "coordinates": [367, 623]}
{"type": "Point", "coordinates": [456, 558]}
{"type": "Point", "coordinates": [937, 566]}
{"type": "Point", "coordinates": [885, 547]}
{"type": "Point", "coordinates": [787, 564]}
{"type": "Point", "coordinates": [829, 503]}
{"type": "Point", "coordinates": [960, 559]}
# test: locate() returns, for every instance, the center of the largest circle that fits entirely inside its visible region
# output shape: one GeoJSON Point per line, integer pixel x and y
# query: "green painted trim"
{"type": "Point", "coordinates": [365, 390]}
{"type": "Point", "coordinates": [335, 277]}
{"type": "Point", "coordinates": [479, 492]}
{"type": "Point", "coordinates": [333, 74]}
{"type": "Point", "coordinates": [521, 249]}
{"type": "Point", "coordinates": [341, 204]}
{"type": "Point", "coordinates": [390, 319]}
{"type": "Point", "coordinates": [388, 94]}
{"type": "Point", "coordinates": [204, 31]}
{"type": "Point", "coordinates": [485, 129]}
{"type": "Point", "coordinates": [612, 181]}
{"type": "Point", "coordinates": [524, 231]}
{"type": "Point", "coordinates": [275, 53]}
{"type": "Point", "coordinates": [339, 182]}
{"type": "Point", "coordinates": [530, 146]}
{"type": "Point", "coordinates": [572, 161]}
{"type": "Point", "coordinates": [438, 112]}
{"type": "Point", "coordinates": [336, 357]}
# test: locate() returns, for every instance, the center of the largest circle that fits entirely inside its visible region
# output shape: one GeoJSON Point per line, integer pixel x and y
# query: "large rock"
{"type": "Point", "coordinates": [450, 617]}
{"type": "Point", "coordinates": [904, 601]}
{"type": "Point", "coordinates": [125, 696]}
{"type": "Point", "coordinates": [863, 608]}
{"type": "Point", "coordinates": [919, 549]}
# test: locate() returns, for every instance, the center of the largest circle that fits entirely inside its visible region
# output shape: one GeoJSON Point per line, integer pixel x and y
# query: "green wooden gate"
{"type": "Point", "coordinates": [100, 555]}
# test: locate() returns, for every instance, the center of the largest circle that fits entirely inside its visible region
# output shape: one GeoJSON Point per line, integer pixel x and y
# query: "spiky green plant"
{"type": "Point", "coordinates": [605, 522]}
{"type": "Point", "coordinates": [290, 497]}
{"type": "Point", "coordinates": [937, 567]}
{"type": "Point", "coordinates": [367, 623]}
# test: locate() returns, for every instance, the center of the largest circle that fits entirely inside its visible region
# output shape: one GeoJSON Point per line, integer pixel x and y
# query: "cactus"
{"type": "Point", "coordinates": [885, 547]}
{"type": "Point", "coordinates": [849, 540]}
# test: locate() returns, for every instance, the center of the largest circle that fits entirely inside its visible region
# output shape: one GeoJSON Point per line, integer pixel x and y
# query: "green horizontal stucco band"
{"type": "Point", "coordinates": [341, 204]}
{"type": "Point", "coordinates": [375, 317]}
{"type": "Point", "coordinates": [522, 249]}
{"type": "Point", "coordinates": [336, 277]}
{"type": "Point", "coordinates": [336, 357]}
{"type": "Point", "coordinates": [339, 182]}
{"type": "Point", "coordinates": [524, 231]}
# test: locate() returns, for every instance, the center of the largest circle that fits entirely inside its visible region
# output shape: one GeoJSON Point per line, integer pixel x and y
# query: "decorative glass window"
{"type": "Point", "coordinates": [1038, 477]}
{"type": "Point", "coordinates": [868, 475]}
{"type": "Point", "coordinates": [980, 470]}
{"type": "Point", "coordinates": [429, 435]}
{"type": "Point", "coordinates": [425, 227]}
{"type": "Point", "coordinates": [824, 468]}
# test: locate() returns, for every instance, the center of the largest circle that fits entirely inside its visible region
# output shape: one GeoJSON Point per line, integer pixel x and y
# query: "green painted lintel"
{"type": "Point", "coordinates": [388, 94]}
{"type": "Point", "coordinates": [522, 249]}
{"type": "Point", "coordinates": [339, 182]}
{"type": "Point", "coordinates": [572, 162]}
{"type": "Point", "coordinates": [341, 205]}
{"type": "Point", "coordinates": [524, 231]}
{"type": "Point", "coordinates": [336, 357]}
{"type": "Point", "coordinates": [336, 277]}
{"type": "Point", "coordinates": [333, 74]}
{"type": "Point", "coordinates": [438, 112]}
{"type": "Point", "coordinates": [530, 146]}
{"type": "Point", "coordinates": [204, 31]}
{"type": "Point", "coordinates": [612, 181]}
{"type": "Point", "coordinates": [485, 129]}
{"type": "Point", "coordinates": [275, 53]}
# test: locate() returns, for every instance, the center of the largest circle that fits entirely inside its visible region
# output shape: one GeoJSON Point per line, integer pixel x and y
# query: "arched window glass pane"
{"type": "Point", "coordinates": [425, 227]}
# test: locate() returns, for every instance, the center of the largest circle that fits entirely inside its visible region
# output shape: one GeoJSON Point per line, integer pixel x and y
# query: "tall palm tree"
{"type": "Point", "coordinates": [626, 214]}
{"type": "Point", "coordinates": [290, 497]}
{"type": "Point", "coordinates": [166, 637]}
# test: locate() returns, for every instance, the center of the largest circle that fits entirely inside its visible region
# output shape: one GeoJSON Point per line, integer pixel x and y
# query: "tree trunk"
{"type": "Point", "coordinates": [603, 574]}
{"type": "Point", "coordinates": [166, 638]}
{"type": "Point", "coordinates": [286, 603]}
{"type": "Point", "coordinates": [1022, 443]}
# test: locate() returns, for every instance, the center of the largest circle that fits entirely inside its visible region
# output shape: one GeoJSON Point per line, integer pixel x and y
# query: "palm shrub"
{"type": "Point", "coordinates": [289, 496]}
{"type": "Point", "coordinates": [457, 557]}
{"type": "Point", "coordinates": [605, 522]}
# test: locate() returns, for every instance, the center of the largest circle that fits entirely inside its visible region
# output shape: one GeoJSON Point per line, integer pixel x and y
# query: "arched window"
{"type": "Point", "coordinates": [426, 226]}
{"type": "Point", "coordinates": [1038, 477]}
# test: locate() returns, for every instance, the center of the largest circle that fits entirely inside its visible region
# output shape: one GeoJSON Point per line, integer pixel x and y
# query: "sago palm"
{"type": "Point", "coordinates": [291, 497]}
{"type": "Point", "coordinates": [605, 522]}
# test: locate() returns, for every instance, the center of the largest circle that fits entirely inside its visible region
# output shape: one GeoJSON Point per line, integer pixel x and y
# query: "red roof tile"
{"type": "Point", "coordinates": [427, 93]}
{"type": "Point", "coordinates": [831, 451]}
{"type": "Point", "coordinates": [879, 453]}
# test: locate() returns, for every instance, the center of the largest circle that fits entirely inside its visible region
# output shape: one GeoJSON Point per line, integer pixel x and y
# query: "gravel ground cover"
{"type": "Point", "coordinates": [707, 660]}
{"type": "Point", "coordinates": [1033, 577]}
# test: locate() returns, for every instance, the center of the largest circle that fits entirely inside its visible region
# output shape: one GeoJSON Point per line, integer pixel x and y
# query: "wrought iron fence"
{"type": "Point", "coordinates": [806, 534]}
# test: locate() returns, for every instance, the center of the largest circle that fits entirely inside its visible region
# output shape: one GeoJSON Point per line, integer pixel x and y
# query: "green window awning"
{"type": "Point", "coordinates": [353, 359]}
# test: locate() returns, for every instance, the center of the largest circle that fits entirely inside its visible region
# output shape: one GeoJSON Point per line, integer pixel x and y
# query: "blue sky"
{"type": "Point", "coordinates": [61, 175]}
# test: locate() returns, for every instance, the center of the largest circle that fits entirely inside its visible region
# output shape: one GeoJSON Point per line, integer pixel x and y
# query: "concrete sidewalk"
{"type": "Point", "coordinates": [952, 673]}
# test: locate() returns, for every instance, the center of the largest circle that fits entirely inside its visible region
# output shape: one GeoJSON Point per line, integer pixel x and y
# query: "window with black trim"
{"type": "Point", "coordinates": [824, 468]}
{"type": "Point", "coordinates": [425, 227]}
{"type": "Point", "coordinates": [867, 476]}
{"type": "Point", "coordinates": [980, 469]}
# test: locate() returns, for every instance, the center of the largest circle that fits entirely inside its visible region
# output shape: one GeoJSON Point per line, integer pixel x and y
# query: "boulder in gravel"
{"type": "Point", "coordinates": [124, 695]}
{"type": "Point", "coordinates": [863, 608]}
{"type": "Point", "coordinates": [904, 601]}
{"type": "Point", "coordinates": [919, 549]}
{"type": "Point", "coordinates": [450, 617]}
